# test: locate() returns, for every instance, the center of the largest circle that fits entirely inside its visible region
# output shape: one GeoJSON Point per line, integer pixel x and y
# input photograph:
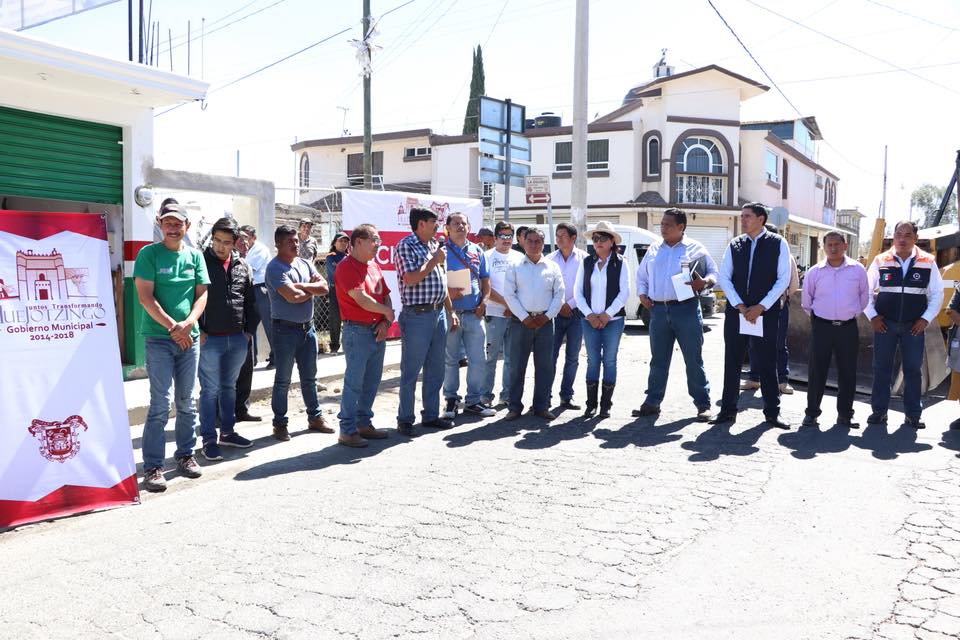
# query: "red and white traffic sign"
{"type": "Point", "coordinates": [538, 189]}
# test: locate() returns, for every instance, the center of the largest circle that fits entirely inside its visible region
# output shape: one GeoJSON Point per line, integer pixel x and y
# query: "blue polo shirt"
{"type": "Point", "coordinates": [458, 258]}
{"type": "Point", "coordinates": [280, 273]}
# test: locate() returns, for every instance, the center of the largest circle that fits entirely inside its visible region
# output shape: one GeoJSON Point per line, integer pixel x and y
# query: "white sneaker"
{"type": "Point", "coordinates": [480, 410]}
{"type": "Point", "coordinates": [786, 389]}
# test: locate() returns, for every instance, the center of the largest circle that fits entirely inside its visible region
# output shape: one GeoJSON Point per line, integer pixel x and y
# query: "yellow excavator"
{"type": "Point", "coordinates": [943, 241]}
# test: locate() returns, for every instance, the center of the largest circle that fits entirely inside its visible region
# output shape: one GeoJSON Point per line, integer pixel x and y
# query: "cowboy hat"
{"type": "Point", "coordinates": [603, 227]}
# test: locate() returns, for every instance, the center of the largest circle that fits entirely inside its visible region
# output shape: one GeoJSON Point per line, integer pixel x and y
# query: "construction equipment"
{"type": "Point", "coordinates": [943, 241]}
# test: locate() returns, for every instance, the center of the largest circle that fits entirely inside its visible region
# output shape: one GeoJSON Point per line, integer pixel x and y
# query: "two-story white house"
{"type": "Point", "coordinates": [676, 141]}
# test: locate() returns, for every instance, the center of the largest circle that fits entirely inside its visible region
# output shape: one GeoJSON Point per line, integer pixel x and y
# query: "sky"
{"type": "Point", "coordinates": [875, 73]}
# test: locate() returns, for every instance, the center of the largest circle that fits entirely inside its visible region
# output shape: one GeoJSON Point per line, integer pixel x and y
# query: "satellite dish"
{"type": "Point", "coordinates": [779, 217]}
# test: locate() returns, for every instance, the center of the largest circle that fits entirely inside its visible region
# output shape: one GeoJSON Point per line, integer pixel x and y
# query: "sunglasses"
{"type": "Point", "coordinates": [505, 236]}
{"type": "Point", "coordinates": [601, 237]}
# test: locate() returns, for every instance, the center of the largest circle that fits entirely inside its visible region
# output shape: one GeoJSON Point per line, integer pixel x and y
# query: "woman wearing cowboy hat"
{"type": "Point", "coordinates": [601, 292]}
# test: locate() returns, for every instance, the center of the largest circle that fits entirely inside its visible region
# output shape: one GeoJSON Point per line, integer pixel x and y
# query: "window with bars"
{"type": "Point", "coordinates": [699, 189]}
{"type": "Point", "coordinates": [598, 156]}
{"type": "Point", "coordinates": [488, 194]}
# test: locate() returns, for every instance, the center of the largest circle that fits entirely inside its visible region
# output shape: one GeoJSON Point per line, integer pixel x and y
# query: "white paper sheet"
{"type": "Point", "coordinates": [459, 279]}
{"type": "Point", "coordinates": [748, 328]}
{"type": "Point", "coordinates": [683, 290]}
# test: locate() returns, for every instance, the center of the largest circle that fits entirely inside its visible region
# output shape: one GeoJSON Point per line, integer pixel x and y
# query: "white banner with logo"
{"type": "Point", "coordinates": [64, 439]}
{"type": "Point", "coordinates": [389, 211]}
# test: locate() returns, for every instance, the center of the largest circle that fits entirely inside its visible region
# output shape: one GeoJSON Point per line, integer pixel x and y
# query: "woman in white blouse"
{"type": "Point", "coordinates": [601, 291]}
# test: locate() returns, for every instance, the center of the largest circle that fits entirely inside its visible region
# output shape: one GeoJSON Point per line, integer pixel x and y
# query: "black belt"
{"type": "Point", "coordinates": [423, 308]}
{"type": "Point", "coordinates": [835, 323]}
{"type": "Point", "coordinates": [670, 303]}
{"type": "Point", "coordinates": [303, 326]}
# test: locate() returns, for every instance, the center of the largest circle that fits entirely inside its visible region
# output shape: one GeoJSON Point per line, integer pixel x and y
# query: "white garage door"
{"type": "Point", "coordinates": [715, 239]}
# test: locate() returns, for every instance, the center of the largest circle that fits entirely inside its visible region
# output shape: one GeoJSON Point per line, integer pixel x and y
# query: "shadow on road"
{"type": "Point", "coordinates": [951, 440]}
{"type": "Point", "coordinates": [889, 446]}
{"type": "Point", "coordinates": [810, 441]}
{"type": "Point", "coordinates": [643, 432]}
{"type": "Point", "coordinates": [718, 441]}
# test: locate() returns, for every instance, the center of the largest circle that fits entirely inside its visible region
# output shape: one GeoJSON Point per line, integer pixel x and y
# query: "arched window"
{"type": "Point", "coordinates": [699, 172]}
{"type": "Point", "coordinates": [304, 170]}
{"type": "Point", "coordinates": [699, 155]}
{"type": "Point", "coordinates": [653, 156]}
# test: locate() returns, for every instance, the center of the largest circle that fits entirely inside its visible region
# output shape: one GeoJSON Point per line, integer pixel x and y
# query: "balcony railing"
{"type": "Point", "coordinates": [700, 189]}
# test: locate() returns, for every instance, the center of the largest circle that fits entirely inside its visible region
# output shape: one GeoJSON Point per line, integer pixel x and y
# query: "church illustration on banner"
{"type": "Point", "coordinates": [42, 277]}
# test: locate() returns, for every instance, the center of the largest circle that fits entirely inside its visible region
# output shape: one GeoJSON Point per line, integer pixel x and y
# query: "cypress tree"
{"type": "Point", "coordinates": [472, 119]}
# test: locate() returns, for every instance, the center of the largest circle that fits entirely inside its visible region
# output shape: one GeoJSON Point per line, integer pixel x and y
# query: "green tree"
{"type": "Point", "coordinates": [927, 197]}
{"type": "Point", "coordinates": [472, 120]}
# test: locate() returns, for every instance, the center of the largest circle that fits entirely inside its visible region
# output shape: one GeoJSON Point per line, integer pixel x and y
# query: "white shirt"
{"type": "Point", "coordinates": [534, 286]}
{"type": "Point", "coordinates": [568, 267]}
{"type": "Point", "coordinates": [498, 264]}
{"type": "Point", "coordinates": [661, 262]}
{"type": "Point", "coordinates": [934, 288]}
{"type": "Point", "coordinates": [598, 291]}
{"type": "Point", "coordinates": [257, 257]}
{"type": "Point", "coordinates": [781, 284]}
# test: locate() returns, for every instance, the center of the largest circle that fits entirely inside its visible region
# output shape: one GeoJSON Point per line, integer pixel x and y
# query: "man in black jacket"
{"type": "Point", "coordinates": [226, 328]}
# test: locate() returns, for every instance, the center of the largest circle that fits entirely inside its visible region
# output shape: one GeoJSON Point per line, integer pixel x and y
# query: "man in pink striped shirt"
{"type": "Point", "coordinates": [835, 292]}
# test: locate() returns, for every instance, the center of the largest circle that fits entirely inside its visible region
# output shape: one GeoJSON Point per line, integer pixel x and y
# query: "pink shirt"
{"type": "Point", "coordinates": [836, 293]}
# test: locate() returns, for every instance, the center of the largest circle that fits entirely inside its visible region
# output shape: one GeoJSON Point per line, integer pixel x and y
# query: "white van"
{"type": "Point", "coordinates": [634, 244]}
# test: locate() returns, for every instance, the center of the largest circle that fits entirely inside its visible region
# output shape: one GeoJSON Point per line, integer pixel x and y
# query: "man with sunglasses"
{"type": "Point", "coordinates": [501, 259]}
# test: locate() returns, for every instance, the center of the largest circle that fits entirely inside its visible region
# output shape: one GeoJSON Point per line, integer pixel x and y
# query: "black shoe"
{"type": "Point", "coordinates": [915, 422]}
{"type": "Point", "coordinates": [450, 409]}
{"type": "Point", "coordinates": [568, 404]}
{"type": "Point", "coordinates": [703, 414]}
{"type": "Point", "coordinates": [645, 410]}
{"type": "Point", "coordinates": [955, 425]}
{"type": "Point", "coordinates": [809, 421]}
{"type": "Point", "coordinates": [463, 362]}
{"type": "Point", "coordinates": [439, 423]}
{"type": "Point", "coordinates": [877, 418]}
{"type": "Point", "coordinates": [405, 428]}
{"type": "Point", "coordinates": [724, 416]}
{"type": "Point", "coordinates": [775, 421]}
{"type": "Point", "coordinates": [848, 422]}
{"type": "Point", "coordinates": [270, 365]}
{"type": "Point", "coordinates": [248, 417]}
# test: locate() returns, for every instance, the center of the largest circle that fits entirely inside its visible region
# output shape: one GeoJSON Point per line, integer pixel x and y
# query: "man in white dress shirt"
{"type": "Point", "coordinates": [673, 320]}
{"type": "Point", "coordinates": [567, 326]}
{"type": "Point", "coordinates": [534, 294]}
{"type": "Point", "coordinates": [753, 275]}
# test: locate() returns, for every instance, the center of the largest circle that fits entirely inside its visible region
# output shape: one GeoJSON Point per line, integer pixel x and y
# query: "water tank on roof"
{"type": "Point", "coordinates": [547, 119]}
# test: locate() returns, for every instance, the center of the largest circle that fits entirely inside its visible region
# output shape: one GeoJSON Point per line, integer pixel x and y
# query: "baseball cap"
{"type": "Point", "coordinates": [340, 234]}
{"type": "Point", "coordinates": [485, 231]}
{"type": "Point", "coordinates": [172, 210]}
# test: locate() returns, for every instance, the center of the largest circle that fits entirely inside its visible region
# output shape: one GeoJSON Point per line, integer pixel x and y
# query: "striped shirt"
{"type": "Point", "coordinates": [409, 255]}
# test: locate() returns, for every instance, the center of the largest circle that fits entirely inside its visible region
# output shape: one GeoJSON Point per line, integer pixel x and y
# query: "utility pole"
{"type": "Point", "coordinates": [367, 131]}
{"type": "Point", "coordinates": [506, 165]}
{"type": "Point", "coordinates": [130, 30]}
{"type": "Point", "coordinates": [883, 203]}
{"type": "Point", "coordinates": [578, 186]}
{"type": "Point", "coordinates": [140, 52]}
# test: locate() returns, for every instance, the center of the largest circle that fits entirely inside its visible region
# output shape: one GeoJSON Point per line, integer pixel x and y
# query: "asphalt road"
{"type": "Point", "coordinates": [621, 528]}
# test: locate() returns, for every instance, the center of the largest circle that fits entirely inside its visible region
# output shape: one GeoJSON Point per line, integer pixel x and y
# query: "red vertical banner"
{"type": "Point", "coordinates": [65, 439]}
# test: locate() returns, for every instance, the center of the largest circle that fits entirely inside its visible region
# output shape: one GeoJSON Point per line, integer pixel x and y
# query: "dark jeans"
{"type": "Point", "coordinates": [783, 356]}
{"type": "Point", "coordinates": [523, 341]}
{"type": "Point", "coordinates": [245, 383]}
{"type": "Point", "coordinates": [571, 330]}
{"type": "Point", "coordinates": [827, 341]}
{"type": "Point", "coordinates": [911, 354]}
{"type": "Point", "coordinates": [677, 324]}
{"type": "Point", "coordinates": [766, 350]}
{"type": "Point", "coordinates": [221, 358]}
{"type": "Point", "coordinates": [335, 323]}
{"type": "Point", "coordinates": [290, 345]}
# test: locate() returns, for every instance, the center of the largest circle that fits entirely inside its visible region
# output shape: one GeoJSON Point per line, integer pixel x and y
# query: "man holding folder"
{"type": "Point", "coordinates": [754, 273]}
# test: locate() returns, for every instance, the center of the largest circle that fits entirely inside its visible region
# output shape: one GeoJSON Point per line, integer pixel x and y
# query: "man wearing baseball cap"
{"type": "Point", "coordinates": [171, 280]}
{"type": "Point", "coordinates": [309, 248]}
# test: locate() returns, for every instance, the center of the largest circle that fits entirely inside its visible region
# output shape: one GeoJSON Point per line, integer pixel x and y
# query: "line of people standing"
{"type": "Point", "coordinates": [458, 296]}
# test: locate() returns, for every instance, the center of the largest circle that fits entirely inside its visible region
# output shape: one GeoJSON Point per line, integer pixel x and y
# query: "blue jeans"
{"type": "Point", "coordinates": [523, 341]}
{"type": "Point", "coordinates": [292, 344]}
{"type": "Point", "coordinates": [471, 337]}
{"type": "Point", "coordinates": [602, 346]}
{"type": "Point", "coordinates": [168, 364]}
{"type": "Point", "coordinates": [570, 329]}
{"type": "Point", "coordinates": [364, 356]}
{"type": "Point", "coordinates": [681, 323]}
{"type": "Point", "coordinates": [221, 358]}
{"type": "Point", "coordinates": [911, 355]}
{"type": "Point", "coordinates": [498, 337]}
{"type": "Point", "coordinates": [783, 356]}
{"type": "Point", "coordinates": [263, 310]}
{"type": "Point", "coordinates": [424, 343]}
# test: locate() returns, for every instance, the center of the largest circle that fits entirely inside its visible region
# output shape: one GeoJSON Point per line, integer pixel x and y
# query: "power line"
{"type": "Point", "coordinates": [849, 46]}
{"type": "Point", "coordinates": [229, 24]}
{"type": "Point", "coordinates": [910, 15]}
{"type": "Point", "coordinates": [264, 68]}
